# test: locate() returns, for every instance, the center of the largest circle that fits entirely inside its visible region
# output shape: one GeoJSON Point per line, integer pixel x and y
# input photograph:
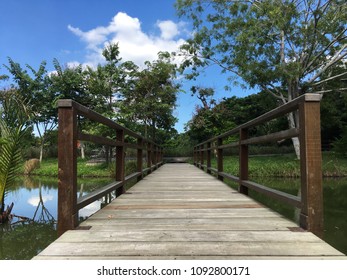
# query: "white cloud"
{"type": "Point", "coordinates": [168, 29]}
{"type": "Point", "coordinates": [134, 44]}
{"type": "Point", "coordinates": [35, 200]}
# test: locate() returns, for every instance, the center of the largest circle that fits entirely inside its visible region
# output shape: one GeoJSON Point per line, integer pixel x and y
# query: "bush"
{"type": "Point", "coordinates": [340, 145]}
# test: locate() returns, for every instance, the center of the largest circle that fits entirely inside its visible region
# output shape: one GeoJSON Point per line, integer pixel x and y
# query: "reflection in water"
{"type": "Point", "coordinates": [33, 226]}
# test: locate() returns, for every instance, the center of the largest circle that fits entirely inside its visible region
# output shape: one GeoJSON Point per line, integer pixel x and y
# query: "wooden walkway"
{"type": "Point", "coordinates": [180, 212]}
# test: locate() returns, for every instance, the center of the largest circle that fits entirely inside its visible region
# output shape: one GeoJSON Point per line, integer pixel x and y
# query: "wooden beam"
{"type": "Point", "coordinates": [311, 217]}
{"type": "Point", "coordinates": [67, 172]}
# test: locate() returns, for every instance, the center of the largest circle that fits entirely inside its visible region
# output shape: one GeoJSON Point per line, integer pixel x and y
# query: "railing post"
{"type": "Point", "coordinates": [208, 160]}
{"type": "Point", "coordinates": [67, 167]}
{"type": "Point", "coordinates": [202, 156]}
{"type": "Point", "coordinates": [149, 157]}
{"type": "Point", "coordinates": [194, 156]}
{"type": "Point", "coordinates": [220, 166]}
{"type": "Point", "coordinates": [311, 216]}
{"type": "Point", "coordinates": [243, 161]}
{"type": "Point", "coordinates": [155, 156]}
{"type": "Point", "coordinates": [161, 158]}
{"type": "Point", "coordinates": [139, 158]}
{"type": "Point", "coordinates": [120, 161]}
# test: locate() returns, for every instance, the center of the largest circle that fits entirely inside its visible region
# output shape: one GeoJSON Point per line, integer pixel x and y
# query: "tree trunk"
{"type": "Point", "coordinates": [293, 117]}
{"type": "Point", "coordinates": [153, 131]}
{"type": "Point", "coordinates": [295, 140]}
{"type": "Point", "coordinates": [82, 151]}
{"type": "Point", "coordinates": [4, 215]}
{"type": "Point", "coordinates": [41, 150]}
{"type": "Point", "coordinates": [2, 206]}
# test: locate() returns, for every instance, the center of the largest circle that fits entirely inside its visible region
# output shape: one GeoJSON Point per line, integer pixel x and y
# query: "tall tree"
{"type": "Point", "coordinates": [285, 47]}
{"type": "Point", "coordinates": [35, 86]}
{"type": "Point", "coordinates": [205, 95]}
{"type": "Point", "coordinates": [109, 81]}
{"type": "Point", "coordinates": [153, 98]}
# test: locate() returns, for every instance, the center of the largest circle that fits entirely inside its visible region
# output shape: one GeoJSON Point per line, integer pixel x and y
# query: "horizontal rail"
{"type": "Point", "coordinates": [97, 194]}
{"type": "Point", "coordinates": [68, 135]}
{"type": "Point", "coordinates": [307, 108]}
{"type": "Point", "coordinates": [277, 136]}
{"type": "Point", "coordinates": [276, 194]}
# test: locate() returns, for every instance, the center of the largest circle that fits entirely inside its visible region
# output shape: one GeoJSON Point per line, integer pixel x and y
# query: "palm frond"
{"type": "Point", "coordinates": [14, 119]}
{"type": "Point", "coordinates": [10, 156]}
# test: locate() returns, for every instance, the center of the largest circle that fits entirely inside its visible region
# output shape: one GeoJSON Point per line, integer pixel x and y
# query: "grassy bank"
{"type": "Point", "coordinates": [284, 165]}
{"type": "Point", "coordinates": [49, 167]}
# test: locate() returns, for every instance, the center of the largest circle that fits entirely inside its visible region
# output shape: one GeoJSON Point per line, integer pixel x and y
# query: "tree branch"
{"type": "Point", "coordinates": [330, 78]}
{"type": "Point", "coordinates": [338, 37]}
{"type": "Point", "coordinates": [336, 58]}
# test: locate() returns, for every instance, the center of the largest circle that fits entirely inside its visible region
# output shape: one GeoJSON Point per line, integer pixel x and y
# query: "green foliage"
{"type": "Point", "coordinates": [285, 47]}
{"type": "Point", "coordinates": [333, 117]}
{"type": "Point", "coordinates": [36, 87]}
{"type": "Point", "coordinates": [231, 112]}
{"type": "Point", "coordinates": [340, 145]}
{"type": "Point", "coordinates": [13, 128]}
{"type": "Point", "coordinates": [180, 145]}
{"type": "Point", "coordinates": [141, 100]}
{"type": "Point", "coordinates": [153, 98]}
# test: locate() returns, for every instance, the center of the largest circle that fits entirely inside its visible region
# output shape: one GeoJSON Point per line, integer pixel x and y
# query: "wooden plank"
{"type": "Point", "coordinates": [209, 257]}
{"type": "Point", "coordinates": [255, 224]}
{"type": "Point", "coordinates": [184, 213]}
{"type": "Point", "coordinates": [190, 249]}
{"type": "Point", "coordinates": [82, 236]}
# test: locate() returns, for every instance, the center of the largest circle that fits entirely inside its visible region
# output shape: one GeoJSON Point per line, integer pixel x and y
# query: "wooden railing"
{"type": "Point", "coordinates": [311, 200]}
{"type": "Point", "coordinates": [69, 134]}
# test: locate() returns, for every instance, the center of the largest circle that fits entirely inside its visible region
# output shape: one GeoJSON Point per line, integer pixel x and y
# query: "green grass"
{"type": "Point", "coordinates": [284, 165]}
{"type": "Point", "coordinates": [49, 167]}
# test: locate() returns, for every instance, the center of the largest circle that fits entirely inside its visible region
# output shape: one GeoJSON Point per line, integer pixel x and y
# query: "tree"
{"type": "Point", "coordinates": [108, 82]}
{"type": "Point", "coordinates": [36, 88]}
{"type": "Point", "coordinates": [232, 112]}
{"type": "Point", "coordinates": [284, 47]}
{"type": "Point", "coordinates": [205, 95]}
{"type": "Point", "coordinates": [153, 98]}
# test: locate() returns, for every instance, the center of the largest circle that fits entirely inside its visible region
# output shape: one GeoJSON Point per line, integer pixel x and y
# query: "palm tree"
{"type": "Point", "coordinates": [14, 122]}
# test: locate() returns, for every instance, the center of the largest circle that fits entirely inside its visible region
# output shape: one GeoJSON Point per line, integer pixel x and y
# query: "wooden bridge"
{"type": "Point", "coordinates": [178, 211]}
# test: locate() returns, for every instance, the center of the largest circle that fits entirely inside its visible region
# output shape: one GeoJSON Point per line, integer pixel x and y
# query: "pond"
{"type": "Point", "coordinates": [33, 227]}
{"type": "Point", "coordinates": [36, 199]}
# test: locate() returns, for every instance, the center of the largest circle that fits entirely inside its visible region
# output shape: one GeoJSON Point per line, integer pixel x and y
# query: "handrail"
{"type": "Point", "coordinates": [68, 135]}
{"type": "Point", "coordinates": [311, 200]}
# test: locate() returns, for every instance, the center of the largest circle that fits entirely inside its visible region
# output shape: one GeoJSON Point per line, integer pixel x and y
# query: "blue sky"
{"type": "Point", "coordinates": [75, 31]}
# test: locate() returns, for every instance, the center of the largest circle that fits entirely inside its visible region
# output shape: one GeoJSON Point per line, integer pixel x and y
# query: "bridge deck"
{"type": "Point", "coordinates": [180, 212]}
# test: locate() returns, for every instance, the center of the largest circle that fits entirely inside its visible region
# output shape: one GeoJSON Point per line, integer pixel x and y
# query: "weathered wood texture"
{"type": "Point", "coordinates": [69, 134]}
{"type": "Point", "coordinates": [180, 212]}
{"type": "Point", "coordinates": [307, 107]}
